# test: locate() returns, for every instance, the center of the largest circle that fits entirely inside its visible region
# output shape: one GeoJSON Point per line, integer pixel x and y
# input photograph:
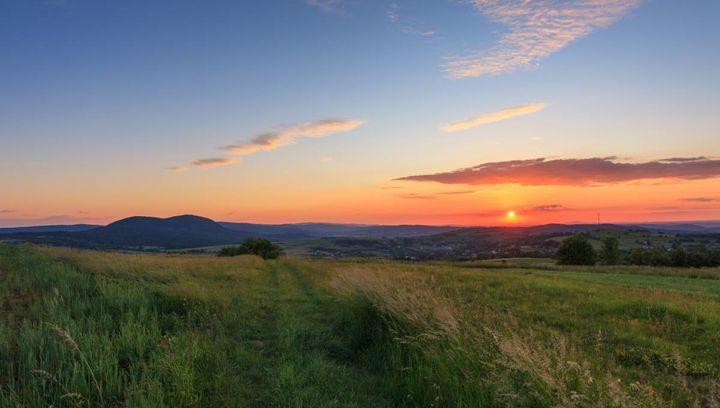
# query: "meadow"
{"type": "Point", "coordinates": [109, 329]}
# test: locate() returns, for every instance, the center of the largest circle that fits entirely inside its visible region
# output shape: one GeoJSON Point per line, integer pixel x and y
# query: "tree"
{"type": "Point", "coordinates": [610, 252]}
{"type": "Point", "coordinates": [576, 250]}
{"type": "Point", "coordinates": [233, 251]}
{"type": "Point", "coordinates": [253, 246]}
{"type": "Point", "coordinates": [263, 248]}
{"type": "Point", "coordinates": [639, 256]}
{"type": "Point", "coordinates": [678, 257]}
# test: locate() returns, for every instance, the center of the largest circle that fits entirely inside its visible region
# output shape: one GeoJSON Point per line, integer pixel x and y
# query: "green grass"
{"type": "Point", "coordinates": [690, 285]}
{"type": "Point", "coordinates": [85, 328]}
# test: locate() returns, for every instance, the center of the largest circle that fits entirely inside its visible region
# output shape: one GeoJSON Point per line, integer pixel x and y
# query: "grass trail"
{"type": "Point", "coordinates": [306, 373]}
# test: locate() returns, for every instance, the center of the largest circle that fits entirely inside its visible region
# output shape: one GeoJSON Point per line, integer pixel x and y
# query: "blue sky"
{"type": "Point", "coordinates": [98, 99]}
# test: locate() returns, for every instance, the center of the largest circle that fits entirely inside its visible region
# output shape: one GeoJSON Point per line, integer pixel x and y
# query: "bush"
{"type": "Point", "coordinates": [639, 256]}
{"type": "Point", "coordinates": [234, 251]}
{"type": "Point", "coordinates": [254, 246]}
{"type": "Point", "coordinates": [610, 253]}
{"type": "Point", "coordinates": [677, 257]}
{"type": "Point", "coordinates": [263, 248]}
{"type": "Point", "coordinates": [576, 250]}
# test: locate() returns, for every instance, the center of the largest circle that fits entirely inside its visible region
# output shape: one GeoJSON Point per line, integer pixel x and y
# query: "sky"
{"type": "Point", "coordinates": [449, 112]}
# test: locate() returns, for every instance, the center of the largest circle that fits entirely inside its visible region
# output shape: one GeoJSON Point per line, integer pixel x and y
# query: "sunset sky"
{"type": "Point", "coordinates": [360, 111]}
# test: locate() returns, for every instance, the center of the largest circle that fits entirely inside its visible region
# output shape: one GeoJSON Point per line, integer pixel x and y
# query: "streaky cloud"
{"type": "Point", "coordinates": [550, 208]}
{"type": "Point", "coordinates": [213, 162]}
{"type": "Point", "coordinates": [324, 5]}
{"type": "Point", "coordinates": [289, 135]}
{"type": "Point", "coordinates": [492, 117]}
{"type": "Point", "coordinates": [177, 169]}
{"type": "Point", "coordinates": [417, 196]}
{"type": "Point", "coordinates": [701, 199]}
{"type": "Point", "coordinates": [456, 192]}
{"type": "Point", "coordinates": [572, 172]}
{"type": "Point", "coordinates": [537, 29]}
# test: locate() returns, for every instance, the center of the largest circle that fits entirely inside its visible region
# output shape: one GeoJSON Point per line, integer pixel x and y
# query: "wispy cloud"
{"type": "Point", "coordinates": [327, 159]}
{"type": "Point", "coordinates": [6, 211]}
{"type": "Point", "coordinates": [701, 199]}
{"type": "Point", "coordinates": [684, 159]}
{"type": "Point", "coordinates": [456, 192]}
{"type": "Point", "coordinates": [176, 169]}
{"type": "Point", "coordinates": [407, 25]}
{"type": "Point", "coordinates": [417, 196]}
{"type": "Point", "coordinates": [550, 208]}
{"type": "Point", "coordinates": [492, 117]}
{"type": "Point", "coordinates": [573, 172]}
{"type": "Point", "coordinates": [537, 29]}
{"type": "Point", "coordinates": [325, 5]}
{"type": "Point", "coordinates": [213, 162]}
{"type": "Point", "coordinates": [416, 31]}
{"type": "Point", "coordinates": [288, 135]}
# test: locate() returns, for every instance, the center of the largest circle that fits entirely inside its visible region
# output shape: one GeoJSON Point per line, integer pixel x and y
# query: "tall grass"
{"type": "Point", "coordinates": [444, 357]}
{"type": "Point", "coordinates": [85, 328]}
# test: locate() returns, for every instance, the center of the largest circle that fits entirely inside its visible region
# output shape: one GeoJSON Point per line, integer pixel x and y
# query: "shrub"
{"type": "Point", "coordinates": [576, 250]}
{"type": "Point", "coordinates": [610, 253]}
{"type": "Point", "coordinates": [263, 248]}
{"type": "Point", "coordinates": [234, 251]}
{"type": "Point", "coordinates": [253, 246]}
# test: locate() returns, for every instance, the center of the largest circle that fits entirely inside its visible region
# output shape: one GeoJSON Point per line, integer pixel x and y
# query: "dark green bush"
{"type": "Point", "coordinates": [576, 250]}
{"type": "Point", "coordinates": [253, 246]}
{"type": "Point", "coordinates": [610, 252]}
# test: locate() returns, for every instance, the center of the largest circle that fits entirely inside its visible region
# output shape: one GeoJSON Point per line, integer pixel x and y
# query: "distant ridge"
{"type": "Point", "coordinates": [322, 230]}
{"type": "Point", "coordinates": [49, 228]}
{"type": "Point", "coordinates": [183, 231]}
{"type": "Point", "coordinates": [192, 231]}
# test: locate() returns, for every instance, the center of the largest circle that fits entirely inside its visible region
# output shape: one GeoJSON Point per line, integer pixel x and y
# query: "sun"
{"type": "Point", "coordinates": [511, 214]}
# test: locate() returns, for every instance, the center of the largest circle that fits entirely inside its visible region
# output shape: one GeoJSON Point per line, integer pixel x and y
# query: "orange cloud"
{"type": "Point", "coordinates": [417, 196]}
{"type": "Point", "coordinates": [213, 162]}
{"type": "Point", "coordinates": [288, 135]}
{"type": "Point", "coordinates": [550, 208]}
{"type": "Point", "coordinates": [575, 172]}
{"type": "Point", "coordinates": [177, 169]}
{"type": "Point", "coordinates": [492, 117]}
{"type": "Point", "coordinates": [538, 29]}
{"type": "Point", "coordinates": [701, 199]}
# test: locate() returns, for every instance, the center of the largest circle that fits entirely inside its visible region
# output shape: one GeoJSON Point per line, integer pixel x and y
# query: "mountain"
{"type": "Point", "coordinates": [327, 230]}
{"type": "Point", "coordinates": [707, 227]}
{"type": "Point", "coordinates": [48, 228]}
{"type": "Point", "coordinates": [184, 231]}
{"type": "Point", "coordinates": [282, 232]}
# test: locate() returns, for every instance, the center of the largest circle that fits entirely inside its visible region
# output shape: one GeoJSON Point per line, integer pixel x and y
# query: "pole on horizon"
{"type": "Point", "coordinates": [598, 218]}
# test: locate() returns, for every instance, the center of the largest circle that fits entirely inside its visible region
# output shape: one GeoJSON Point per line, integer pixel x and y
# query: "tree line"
{"type": "Point", "coordinates": [577, 250]}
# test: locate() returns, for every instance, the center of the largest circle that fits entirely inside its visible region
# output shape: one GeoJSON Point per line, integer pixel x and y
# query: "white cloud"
{"type": "Point", "coordinates": [213, 162]}
{"type": "Point", "coordinates": [324, 5]}
{"type": "Point", "coordinates": [498, 116]}
{"type": "Point", "coordinates": [288, 135]}
{"type": "Point", "coordinates": [537, 29]}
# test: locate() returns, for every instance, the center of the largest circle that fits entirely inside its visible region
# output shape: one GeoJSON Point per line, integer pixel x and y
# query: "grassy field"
{"type": "Point", "coordinates": [83, 328]}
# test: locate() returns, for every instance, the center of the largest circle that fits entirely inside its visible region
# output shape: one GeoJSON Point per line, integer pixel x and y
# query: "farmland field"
{"type": "Point", "coordinates": [90, 328]}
